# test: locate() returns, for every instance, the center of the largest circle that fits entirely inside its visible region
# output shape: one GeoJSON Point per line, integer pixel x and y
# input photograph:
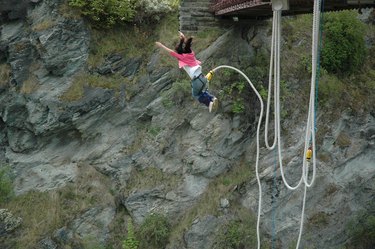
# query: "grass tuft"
{"type": "Point", "coordinates": [5, 71]}
{"type": "Point", "coordinates": [238, 233]}
{"type": "Point", "coordinates": [30, 85]}
{"type": "Point", "coordinates": [6, 187]}
{"type": "Point", "coordinates": [43, 25]}
{"type": "Point", "coordinates": [343, 140]}
{"type": "Point", "coordinates": [149, 178]}
{"type": "Point", "coordinates": [76, 89]}
{"type": "Point", "coordinates": [69, 12]}
{"type": "Point", "coordinates": [44, 212]}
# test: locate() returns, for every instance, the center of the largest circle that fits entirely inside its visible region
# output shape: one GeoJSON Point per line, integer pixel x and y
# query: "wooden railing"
{"type": "Point", "coordinates": [222, 4]}
{"type": "Point", "coordinates": [257, 8]}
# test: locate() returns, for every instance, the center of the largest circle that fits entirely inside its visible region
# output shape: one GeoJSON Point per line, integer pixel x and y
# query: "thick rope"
{"type": "Point", "coordinates": [258, 139]}
{"type": "Point", "coordinates": [273, 200]}
{"type": "Point", "coordinates": [310, 129]}
{"type": "Point", "coordinates": [273, 42]}
{"type": "Point", "coordinates": [310, 125]}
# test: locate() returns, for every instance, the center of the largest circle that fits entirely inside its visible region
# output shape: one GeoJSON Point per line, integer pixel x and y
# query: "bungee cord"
{"type": "Point", "coordinates": [273, 43]}
{"type": "Point", "coordinates": [258, 139]}
{"type": "Point", "coordinates": [274, 74]}
{"type": "Point", "coordinates": [310, 125]}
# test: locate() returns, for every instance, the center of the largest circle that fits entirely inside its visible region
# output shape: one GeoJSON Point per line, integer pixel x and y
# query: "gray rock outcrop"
{"type": "Point", "coordinates": [8, 223]}
{"type": "Point", "coordinates": [196, 16]}
{"type": "Point", "coordinates": [13, 9]}
{"type": "Point", "coordinates": [201, 233]}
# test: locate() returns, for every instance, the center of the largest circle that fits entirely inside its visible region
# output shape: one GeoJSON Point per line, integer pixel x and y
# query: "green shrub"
{"type": "Point", "coordinates": [234, 93]}
{"type": "Point", "coordinates": [238, 106]}
{"type": "Point", "coordinates": [154, 131]}
{"type": "Point", "coordinates": [258, 74]}
{"type": "Point", "coordinates": [344, 47]}
{"type": "Point", "coordinates": [154, 231]}
{"type": "Point", "coordinates": [236, 234]}
{"type": "Point", "coordinates": [263, 92]}
{"type": "Point", "coordinates": [130, 242]}
{"type": "Point", "coordinates": [6, 188]}
{"type": "Point", "coordinates": [106, 13]}
{"type": "Point", "coordinates": [306, 63]}
{"type": "Point", "coordinates": [362, 230]}
{"type": "Point", "coordinates": [330, 88]}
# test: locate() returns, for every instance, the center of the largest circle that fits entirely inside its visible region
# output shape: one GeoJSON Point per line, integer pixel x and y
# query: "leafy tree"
{"type": "Point", "coordinates": [106, 13]}
{"type": "Point", "coordinates": [154, 231]}
{"type": "Point", "coordinates": [344, 48]}
{"type": "Point", "coordinates": [154, 9]}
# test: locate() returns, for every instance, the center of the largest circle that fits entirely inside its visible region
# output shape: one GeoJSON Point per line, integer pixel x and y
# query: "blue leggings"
{"type": "Point", "coordinates": [199, 91]}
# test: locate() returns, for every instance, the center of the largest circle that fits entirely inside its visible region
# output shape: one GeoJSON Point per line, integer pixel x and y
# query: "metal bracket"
{"type": "Point", "coordinates": [280, 5]}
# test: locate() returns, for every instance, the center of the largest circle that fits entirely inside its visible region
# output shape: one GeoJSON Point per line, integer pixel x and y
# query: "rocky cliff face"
{"type": "Point", "coordinates": [194, 16]}
{"type": "Point", "coordinates": [179, 147]}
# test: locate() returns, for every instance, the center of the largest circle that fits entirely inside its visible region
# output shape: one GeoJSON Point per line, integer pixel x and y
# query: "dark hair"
{"type": "Point", "coordinates": [187, 49]}
{"type": "Point", "coordinates": [184, 47]}
{"type": "Point", "coordinates": [179, 48]}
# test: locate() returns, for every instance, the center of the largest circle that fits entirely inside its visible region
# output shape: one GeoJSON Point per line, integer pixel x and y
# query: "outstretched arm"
{"type": "Point", "coordinates": [160, 45]}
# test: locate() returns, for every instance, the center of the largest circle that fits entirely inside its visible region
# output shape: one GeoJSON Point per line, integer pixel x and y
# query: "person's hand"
{"type": "Point", "coordinates": [182, 36]}
{"type": "Point", "coordinates": [158, 44]}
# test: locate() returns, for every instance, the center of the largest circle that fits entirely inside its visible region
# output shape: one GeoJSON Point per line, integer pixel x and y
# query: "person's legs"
{"type": "Point", "coordinates": [205, 98]}
{"type": "Point", "coordinates": [197, 86]}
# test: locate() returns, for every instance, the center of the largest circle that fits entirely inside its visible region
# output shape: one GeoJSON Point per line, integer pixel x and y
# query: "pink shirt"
{"type": "Point", "coordinates": [186, 59]}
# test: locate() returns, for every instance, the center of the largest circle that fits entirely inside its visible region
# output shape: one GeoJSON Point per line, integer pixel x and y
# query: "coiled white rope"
{"type": "Point", "coordinates": [272, 66]}
{"type": "Point", "coordinates": [257, 138]}
{"type": "Point", "coordinates": [310, 129]}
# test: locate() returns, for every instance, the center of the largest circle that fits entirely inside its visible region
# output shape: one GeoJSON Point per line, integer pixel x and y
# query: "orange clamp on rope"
{"type": "Point", "coordinates": [309, 154]}
{"type": "Point", "coordinates": [209, 75]}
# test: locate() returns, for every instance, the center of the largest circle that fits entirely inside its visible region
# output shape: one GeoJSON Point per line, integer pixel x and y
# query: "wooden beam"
{"type": "Point", "coordinates": [262, 8]}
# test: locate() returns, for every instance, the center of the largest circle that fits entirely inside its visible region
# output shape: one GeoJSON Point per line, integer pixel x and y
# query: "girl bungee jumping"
{"type": "Point", "coordinates": [186, 59]}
